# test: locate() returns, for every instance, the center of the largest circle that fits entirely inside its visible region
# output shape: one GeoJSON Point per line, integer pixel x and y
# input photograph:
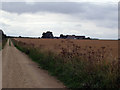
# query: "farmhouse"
{"type": "Point", "coordinates": [79, 37]}
{"type": "Point", "coordinates": [71, 37]}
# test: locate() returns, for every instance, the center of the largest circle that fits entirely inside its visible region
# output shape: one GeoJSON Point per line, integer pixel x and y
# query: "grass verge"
{"type": "Point", "coordinates": [4, 41]}
{"type": "Point", "coordinates": [9, 42]}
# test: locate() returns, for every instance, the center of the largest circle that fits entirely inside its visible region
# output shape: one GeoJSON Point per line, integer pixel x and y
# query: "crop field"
{"type": "Point", "coordinates": [110, 46]}
{"type": "Point", "coordinates": [77, 63]}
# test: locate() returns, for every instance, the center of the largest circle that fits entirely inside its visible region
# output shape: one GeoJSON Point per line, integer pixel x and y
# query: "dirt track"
{"type": "Point", "coordinates": [19, 71]}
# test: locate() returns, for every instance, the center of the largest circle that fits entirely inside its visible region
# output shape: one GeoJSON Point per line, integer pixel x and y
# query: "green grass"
{"type": "Point", "coordinates": [9, 42]}
{"type": "Point", "coordinates": [4, 41]}
{"type": "Point", "coordinates": [0, 46]}
{"type": "Point", "coordinates": [75, 72]}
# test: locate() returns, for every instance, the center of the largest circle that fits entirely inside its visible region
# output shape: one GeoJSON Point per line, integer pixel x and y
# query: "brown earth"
{"type": "Point", "coordinates": [19, 71]}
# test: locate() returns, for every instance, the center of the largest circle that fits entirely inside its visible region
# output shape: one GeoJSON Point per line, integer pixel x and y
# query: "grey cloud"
{"type": "Point", "coordinates": [103, 15]}
{"type": "Point", "coordinates": [78, 25]}
{"type": "Point", "coordinates": [86, 11]}
{"type": "Point", "coordinates": [111, 24]}
{"type": "Point", "coordinates": [91, 10]}
{"type": "Point", "coordinates": [4, 25]}
{"type": "Point", "coordinates": [57, 7]}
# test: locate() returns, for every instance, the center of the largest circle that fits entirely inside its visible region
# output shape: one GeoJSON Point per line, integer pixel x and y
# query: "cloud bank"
{"type": "Point", "coordinates": [79, 18]}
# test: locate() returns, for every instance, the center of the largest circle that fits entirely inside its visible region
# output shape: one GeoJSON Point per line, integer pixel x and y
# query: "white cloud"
{"type": "Point", "coordinates": [35, 24]}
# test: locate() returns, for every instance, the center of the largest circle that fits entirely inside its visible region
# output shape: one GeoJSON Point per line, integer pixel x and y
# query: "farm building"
{"type": "Point", "coordinates": [71, 37]}
{"type": "Point", "coordinates": [79, 37]}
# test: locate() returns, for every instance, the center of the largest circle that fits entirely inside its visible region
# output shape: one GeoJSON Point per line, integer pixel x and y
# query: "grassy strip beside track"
{"type": "Point", "coordinates": [9, 42]}
{"type": "Point", "coordinates": [4, 41]}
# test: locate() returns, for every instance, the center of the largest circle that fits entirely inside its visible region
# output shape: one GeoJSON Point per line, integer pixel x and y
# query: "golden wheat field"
{"type": "Point", "coordinates": [56, 44]}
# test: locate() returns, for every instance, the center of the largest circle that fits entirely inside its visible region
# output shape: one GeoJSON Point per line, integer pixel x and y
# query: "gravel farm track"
{"type": "Point", "coordinates": [19, 71]}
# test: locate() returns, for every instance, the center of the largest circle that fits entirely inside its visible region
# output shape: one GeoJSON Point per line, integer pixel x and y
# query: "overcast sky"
{"type": "Point", "coordinates": [93, 19]}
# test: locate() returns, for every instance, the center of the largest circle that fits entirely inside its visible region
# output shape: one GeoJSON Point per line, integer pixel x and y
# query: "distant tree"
{"type": "Point", "coordinates": [88, 37]}
{"type": "Point", "coordinates": [2, 35]}
{"type": "Point", "coordinates": [19, 36]}
{"type": "Point", "coordinates": [61, 35]}
{"type": "Point", "coordinates": [48, 34]}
